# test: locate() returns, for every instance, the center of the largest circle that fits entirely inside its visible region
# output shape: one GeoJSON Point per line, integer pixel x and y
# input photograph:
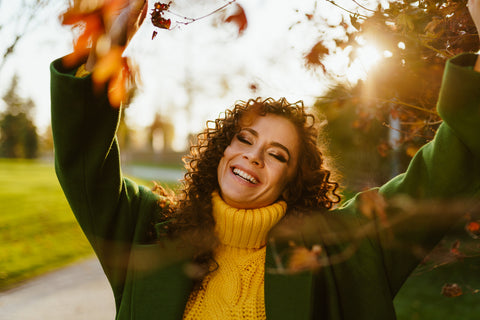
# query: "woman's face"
{"type": "Point", "coordinates": [259, 162]}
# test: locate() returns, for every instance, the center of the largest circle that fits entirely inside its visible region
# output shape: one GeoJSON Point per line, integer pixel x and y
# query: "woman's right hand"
{"type": "Point", "coordinates": [121, 26]}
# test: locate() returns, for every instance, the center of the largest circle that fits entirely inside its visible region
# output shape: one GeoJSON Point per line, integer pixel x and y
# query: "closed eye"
{"type": "Point", "coordinates": [279, 157]}
{"type": "Point", "coordinates": [242, 139]}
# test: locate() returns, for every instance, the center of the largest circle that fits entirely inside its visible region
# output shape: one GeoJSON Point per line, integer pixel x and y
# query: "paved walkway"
{"type": "Point", "coordinates": [77, 292]}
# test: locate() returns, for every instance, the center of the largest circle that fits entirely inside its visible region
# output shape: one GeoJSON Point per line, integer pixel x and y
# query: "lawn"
{"type": "Point", "coordinates": [38, 232]}
{"type": "Point", "coordinates": [37, 229]}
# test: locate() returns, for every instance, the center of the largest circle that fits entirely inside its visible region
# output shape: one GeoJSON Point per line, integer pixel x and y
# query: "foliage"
{"type": "Point", "coordinates": [416, 38]}
{"type": "Point", "coordinates": [107, 26]}
{"type": "Point", "coordinates": [18, 134]}
{"type": "Point", "coordinates": [353, 139]}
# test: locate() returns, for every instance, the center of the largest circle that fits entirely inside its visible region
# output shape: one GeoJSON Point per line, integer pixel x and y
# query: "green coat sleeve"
{"type": "Point", "coordinates": [113, 211]}
{"type": "Point", "coordinates": [440, 182]}
{"type": "Point", "coordinates": [441, 179]}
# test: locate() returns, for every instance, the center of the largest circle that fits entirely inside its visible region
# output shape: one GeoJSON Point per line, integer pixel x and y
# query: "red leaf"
{"type": "Point", "coordinates": [157, 16]}
{"type": "Point", "coordinates": [239, 18]}
{"type": "Point", "coordinates": [313, 58]}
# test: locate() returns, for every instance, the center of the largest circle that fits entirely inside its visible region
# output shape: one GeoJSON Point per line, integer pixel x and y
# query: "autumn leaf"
{"type": "Point", "coordinates": [239, 18]}
{"type": "Point", "coordinates": [93, 27]}
{"type": "Point", "coordinates": [93, 19]}
{"type": "Point", "coordinates": [316, 54]}
{"type": "Point", "coordinates": [411, 151]}
{"type": "Point", "coordinates": [455, 250]}
{"type": "Point", "coordinates": [119, 85]}
{"type": "Point", "coordinates": [304, 259]}
{"type": "Point", "coordinates": [451, 290]}
{"type": "Point", "coordinates": [372, 204]}
{"type": "Point", "coordinates": [354, 21]}
{"type": "Point", "coordinates": [157, 16]}
{"type": "Point", "coordinates": [404, 21]}
{"type": "Point", "coordinates": [473, 229]}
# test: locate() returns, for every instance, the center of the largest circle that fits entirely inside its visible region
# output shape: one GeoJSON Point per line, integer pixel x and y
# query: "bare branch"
{"type": "Point", "coordinates": [189, 20]}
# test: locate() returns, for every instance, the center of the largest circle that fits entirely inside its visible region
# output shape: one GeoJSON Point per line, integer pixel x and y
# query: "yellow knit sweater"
{"type": "Point", "coordinates": [236, 289]}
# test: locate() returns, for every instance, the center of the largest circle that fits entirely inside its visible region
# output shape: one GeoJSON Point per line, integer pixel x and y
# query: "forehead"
{"type": "Point", "coordinates": [273, 128]}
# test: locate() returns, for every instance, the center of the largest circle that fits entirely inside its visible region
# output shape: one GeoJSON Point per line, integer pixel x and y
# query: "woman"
{"type": "Point", "coordinates": [224, 250]}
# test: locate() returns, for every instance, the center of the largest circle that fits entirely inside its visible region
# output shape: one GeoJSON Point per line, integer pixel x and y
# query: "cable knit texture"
{"type": "Point", "coordinates": [236, 289]}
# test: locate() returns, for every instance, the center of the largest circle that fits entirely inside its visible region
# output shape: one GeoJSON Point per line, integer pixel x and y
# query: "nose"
{"type": "Point", "coordinates": [255, 157]}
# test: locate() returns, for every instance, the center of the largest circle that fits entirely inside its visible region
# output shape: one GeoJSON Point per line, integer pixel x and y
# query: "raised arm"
{"type": "Point", "coordinates": [88, 168]}
{"type": "Point", "coordinates": [382, 234]}
{"type": "Point", "coordinates": [446, 170]}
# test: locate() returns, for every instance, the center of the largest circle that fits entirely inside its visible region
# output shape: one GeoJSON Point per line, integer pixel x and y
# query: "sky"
{"type": "Point", "coordinates": [206, 56]}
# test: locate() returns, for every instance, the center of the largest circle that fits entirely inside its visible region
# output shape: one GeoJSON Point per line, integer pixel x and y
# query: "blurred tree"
{"type": "Point", "coordinates": [18, 24]}
{"type": "Point", "coordinates": [161, 134]}
{"type": "Point", "coordinates": [413, 40]}
{"type": "Point", "coordinates": [18, 134]}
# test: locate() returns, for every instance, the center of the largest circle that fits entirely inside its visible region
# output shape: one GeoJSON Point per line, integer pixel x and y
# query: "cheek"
{"type": "Point", "coordinates": [221, 168]}
{"type": "Point", "coordinates": [223, 163]}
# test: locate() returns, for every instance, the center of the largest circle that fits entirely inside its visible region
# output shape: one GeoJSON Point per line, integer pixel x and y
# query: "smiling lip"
{"type": "Point", "coordinates": [244, 175]}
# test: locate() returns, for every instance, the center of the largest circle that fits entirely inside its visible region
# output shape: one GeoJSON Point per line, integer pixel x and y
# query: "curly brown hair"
{"type": "Point", "coordinates": [310, 189]}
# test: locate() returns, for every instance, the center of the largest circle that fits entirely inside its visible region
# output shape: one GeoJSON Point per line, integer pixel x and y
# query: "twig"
{"type": "Point", "coordinates": [385, 124]}
{"type": "Point", "coordinates": [346, 10]}
{"type": "Point", "coordinates": [190, 20]}
{"type": "Point", "coordinates": [404, 104]}
{"type": "Point", "coordinates": [363, 7]}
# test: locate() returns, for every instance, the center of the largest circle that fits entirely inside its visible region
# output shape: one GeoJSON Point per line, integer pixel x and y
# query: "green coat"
{"type": "Point", "coordinates": [148, 280]}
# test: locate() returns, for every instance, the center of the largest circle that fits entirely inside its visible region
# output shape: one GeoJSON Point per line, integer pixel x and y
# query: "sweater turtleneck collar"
{"type": "Point", "coordinates": [245, 228]}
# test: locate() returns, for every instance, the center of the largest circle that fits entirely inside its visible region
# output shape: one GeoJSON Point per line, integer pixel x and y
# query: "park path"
{"type": "Point", "coordinates": [159, 174]}
{"type": "Point", "coordinates": [76, 292]}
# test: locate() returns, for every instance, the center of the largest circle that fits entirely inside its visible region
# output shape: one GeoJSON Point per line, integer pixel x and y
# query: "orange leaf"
{"type": "Point", "coordinates": [411, 151]}
{"type": "Point", "coordinates": [239, 18]}
{"type": "Point", "coordinates": [92, 23]}
{"type": "Point", "coordinates": [473, 228]}
{"type": "Point", "coordinates": [372, 204]}
{"type": "Point", "coordinates": [304, 259]}
{"type": "Point", "coordinates": [117, 92]}
{"type": "Point", "coordinates": [107, 65]}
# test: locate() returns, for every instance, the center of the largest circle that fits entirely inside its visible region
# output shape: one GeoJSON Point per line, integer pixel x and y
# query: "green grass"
{"type": "Point", "coordinates": [38, 232]}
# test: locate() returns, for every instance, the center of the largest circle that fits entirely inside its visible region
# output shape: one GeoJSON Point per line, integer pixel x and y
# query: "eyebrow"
{"type": "Point", "coordinates": [274, 143]}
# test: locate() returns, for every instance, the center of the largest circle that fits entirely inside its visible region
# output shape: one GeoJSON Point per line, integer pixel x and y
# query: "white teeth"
{"type": "Point", "coordinates": [245, 175]}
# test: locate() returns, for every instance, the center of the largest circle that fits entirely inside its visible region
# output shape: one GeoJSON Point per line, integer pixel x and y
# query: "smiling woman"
{"type": "Point", "coordinates": [254, 233]}
{"type": "Point", "coordinates": [259, 163]}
